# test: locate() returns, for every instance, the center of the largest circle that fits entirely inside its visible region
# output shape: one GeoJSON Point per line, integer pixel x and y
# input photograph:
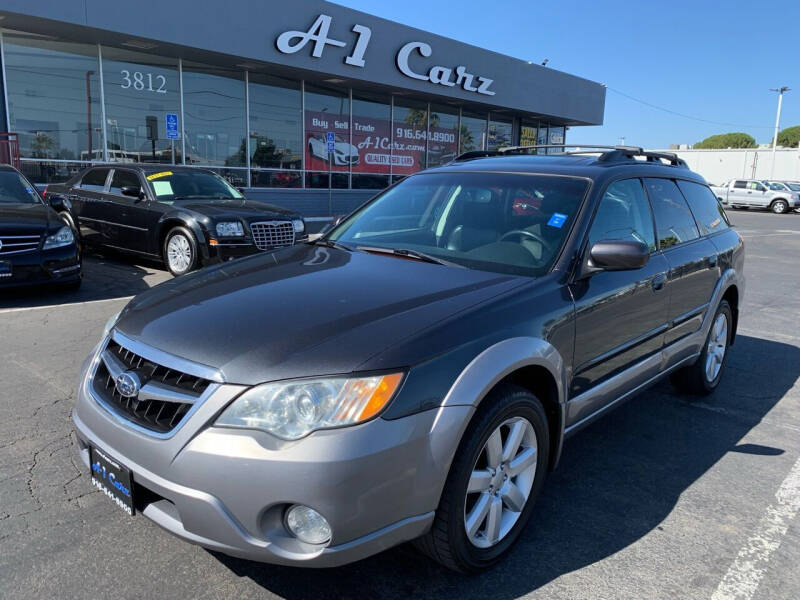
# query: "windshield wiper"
{"type": "Point", "coordinates": [331, 244]}
{"type": "Point", "coordinates": [412, 254]}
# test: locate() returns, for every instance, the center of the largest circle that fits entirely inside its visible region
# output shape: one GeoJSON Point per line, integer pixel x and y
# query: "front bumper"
{"type": "Point", "coordinates": [59, 265]}
{"type": "Point", "coordinates": [225, 251]}
{"type": "Point", "coordinates": [378, 483]}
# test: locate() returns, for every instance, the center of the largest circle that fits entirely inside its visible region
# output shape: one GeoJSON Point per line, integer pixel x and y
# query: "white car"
{"type": "Point", "coordinates": [344, 153]}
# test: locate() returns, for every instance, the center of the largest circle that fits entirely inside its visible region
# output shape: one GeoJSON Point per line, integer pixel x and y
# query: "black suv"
{"type": "Point", "coordinates": [413, 373]}
{"type": "Point", "coordinates": [185, 216]}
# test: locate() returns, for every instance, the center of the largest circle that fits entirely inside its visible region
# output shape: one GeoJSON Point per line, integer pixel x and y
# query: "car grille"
{"type": "Point", "coordinates": [166, 395]}
{"type": "Point", "coordinates": [17, 244]}
{"type": "Point", "coordinates": [272, 234]}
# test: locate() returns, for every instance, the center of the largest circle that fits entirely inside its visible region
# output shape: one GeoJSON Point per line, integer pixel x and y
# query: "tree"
{"type": "Point", "coordinates": [727, 140]}
{"type": "Point", "coordinates": [789, 137]}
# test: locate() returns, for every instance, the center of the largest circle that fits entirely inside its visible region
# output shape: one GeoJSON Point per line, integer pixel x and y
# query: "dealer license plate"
{"type": "Point", "coordinates": [111, 478]}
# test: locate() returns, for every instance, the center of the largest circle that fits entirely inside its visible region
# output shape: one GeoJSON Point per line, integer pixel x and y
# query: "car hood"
{"type": "Point", "coordinates": [242, 208]}
{"type": "Point", "coordinates": [300, 311]}
{"type": "Point", "coordinates": [26, 219]}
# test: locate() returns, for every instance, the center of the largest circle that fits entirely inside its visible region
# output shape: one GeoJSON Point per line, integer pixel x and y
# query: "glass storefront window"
{"type": "Point", "coordinates": [371, 135]}
{"type": "Point", "coordinates": [337, 181]}
{"type": "Point", "coordinates": [527, 134]}
{"type": "Point", "coordinates": [276, 123]}
{"type": "Point", "coordinates": [44, 172]}
{"type": "Point", "coordinates": [473, 132]}
{"type": "Point", "coordinates": [500, 133]}
{"type": "Point", "coordinates": [442, 135]}
{"type": "Point", "coordinates": [53, 97]}
{"type": "Point", "coordinates": [328, 112]}
{"type": "Point", "coordinates": [556, 137]}
{"type": "Point", "coordinates": [541, 138]}
{"type": "Point", "coordinates": [214, 115]}
{"type": "Point", "coordinates": [136, 87]}
{"type": "Point", "coordinates": [410, 133]}
{"type": "Point", "coordinates": [276, 179]}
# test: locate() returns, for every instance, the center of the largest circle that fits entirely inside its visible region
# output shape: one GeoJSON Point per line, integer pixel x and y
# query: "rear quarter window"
{"type": "Point", "coordinates": [705, 207]}
{"type": "Point", "coordinates": [674, 221]}
{"type": "Point", "coordinates": [94, 180]}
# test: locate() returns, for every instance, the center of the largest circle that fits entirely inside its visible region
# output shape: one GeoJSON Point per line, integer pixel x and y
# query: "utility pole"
{"type": "Point", "coordinates": [780, 91]}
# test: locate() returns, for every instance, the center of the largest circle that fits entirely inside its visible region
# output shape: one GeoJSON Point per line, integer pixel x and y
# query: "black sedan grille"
{"type": "Point", "coordinates": [166, 395]}
{"type": "Point", "coordinates": [17, 244]}
{"type": "Point", "coordinates": [273, 234]}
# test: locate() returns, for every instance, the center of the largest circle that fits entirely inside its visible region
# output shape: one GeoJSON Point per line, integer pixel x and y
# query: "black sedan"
{"type": "Point", "coordinates": [36, 246]}
{"type": "Point", "coordinates": [184, 216]}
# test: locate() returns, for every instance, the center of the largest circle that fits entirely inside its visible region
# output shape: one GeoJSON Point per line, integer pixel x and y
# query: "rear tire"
{"type": "Point", "coordinates": [779, 207]}
{"type": "Point", "coordinates": [703, 377]}
{"type": "Point", "coordinates": [464, 537]}
{"type": "Point", "coordinates": [180, 252]}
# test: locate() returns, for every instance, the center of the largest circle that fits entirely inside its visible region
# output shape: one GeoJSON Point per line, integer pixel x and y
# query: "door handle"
{"type": "Point", "coordinates": [658, 282]}
{"type": "Point", "coordinates": [712, 260]}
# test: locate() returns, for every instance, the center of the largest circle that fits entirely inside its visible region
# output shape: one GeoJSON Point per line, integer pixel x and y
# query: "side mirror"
{"type": "Point", "coordinates": [56, 202]}
{"type": "Point", "coordinates": [132, 190]}
{"type": "Point", "coordinates": [612, 255]}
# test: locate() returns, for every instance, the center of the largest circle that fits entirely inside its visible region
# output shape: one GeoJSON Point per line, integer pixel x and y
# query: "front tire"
{"type": "Point", "coordinates": [703, 377]}
{"type": "Point", "coordinates": [779, 207]}
{"type": "Point", "coordinates": [180, 253]}
{"type": "Point", "coordinates": [496, 475]}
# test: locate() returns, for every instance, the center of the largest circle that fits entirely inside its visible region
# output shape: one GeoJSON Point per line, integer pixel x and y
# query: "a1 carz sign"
{"type": "Point", "coordinates": [290, 42]}
{"type": "Point", "coordinates": [374, 147]}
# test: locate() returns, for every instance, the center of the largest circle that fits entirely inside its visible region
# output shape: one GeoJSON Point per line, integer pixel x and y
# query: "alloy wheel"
{"type": "Point", "coordinates": [716, 347]}
{"type": "Point", "coordinates": [179, 253]}
{"type": "Point", "coordinates": [501, 482]}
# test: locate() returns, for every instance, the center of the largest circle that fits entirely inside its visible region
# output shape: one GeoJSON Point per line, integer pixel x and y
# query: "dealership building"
{"type": "Point", "coordinates": [304, 102]}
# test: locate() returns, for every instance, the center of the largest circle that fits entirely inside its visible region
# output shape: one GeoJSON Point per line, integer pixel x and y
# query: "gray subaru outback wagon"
{"type": "Point", "coordinates": [413, 374]}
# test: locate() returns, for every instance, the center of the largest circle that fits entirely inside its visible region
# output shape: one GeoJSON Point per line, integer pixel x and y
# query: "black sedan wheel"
{"type": "Point", "coordinates": [180, 251]}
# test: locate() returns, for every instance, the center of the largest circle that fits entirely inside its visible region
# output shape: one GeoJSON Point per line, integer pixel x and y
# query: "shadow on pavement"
{"type": "Point", "coordinates": [106, 275]}
{"type": "Point", "coordinates": [617, 481]}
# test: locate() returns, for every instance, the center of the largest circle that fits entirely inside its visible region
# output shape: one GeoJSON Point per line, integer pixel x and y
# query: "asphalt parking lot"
{"type": "Point", "coordinates": [664, 498]}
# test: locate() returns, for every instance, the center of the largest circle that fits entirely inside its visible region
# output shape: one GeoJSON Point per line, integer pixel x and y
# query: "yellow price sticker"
{"type": "Point", "coordinates": [157, 175]}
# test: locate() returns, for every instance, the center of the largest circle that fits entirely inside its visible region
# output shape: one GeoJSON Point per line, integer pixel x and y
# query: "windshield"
{"type": "Point", "coordinates": [507, 223]}
{"type": "Point", "coordinates": [169, 186]}
{"type": "Point", "coordinates": [15, 189]}
{"type": "Point", "coordinates": [795, 187]}
{"type": "Point", "coordinates": [774, 186]}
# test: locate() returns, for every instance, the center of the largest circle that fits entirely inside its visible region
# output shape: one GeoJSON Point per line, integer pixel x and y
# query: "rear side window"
{"type": "Point", "coordinates": [624, 214]}
{"type": "Point", "coordinates": [120, 179]}
{"type": "Point", "coordinates": [740, 185]}
{"type": "Point", "coordinates": [95, 180]}
{"type": "Point", "coordinates": [674, 221]}
{"type": "Point", "coordinates": [706, 208]}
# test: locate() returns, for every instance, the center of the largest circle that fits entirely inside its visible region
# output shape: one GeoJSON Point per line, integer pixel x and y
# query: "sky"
{"type": "Point", "coordinates": [713, 61]}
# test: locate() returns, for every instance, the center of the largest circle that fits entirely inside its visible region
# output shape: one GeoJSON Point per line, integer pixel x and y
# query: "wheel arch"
{"type": "Point", "coordinates": [171, 220]}
{"type": "Point", "coordinates": [731, 294]}
{"type": "Point", "coordinates": [531, 363]}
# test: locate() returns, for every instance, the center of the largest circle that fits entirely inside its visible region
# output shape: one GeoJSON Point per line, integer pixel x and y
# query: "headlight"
{"type": "Point", "coordinates": [110, 324]}
{"type": "Point", "coordinates": [230, 229]}
{"type": "Point", "coordinates": [293, 409]}
{"type": "Point", "coordinates": [62, 237]}
{"type": "Point", "coordinates": [299, 225]}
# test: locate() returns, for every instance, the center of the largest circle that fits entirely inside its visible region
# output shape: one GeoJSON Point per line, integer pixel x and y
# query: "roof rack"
{"type": "Point", "coordinates": [608, 154]}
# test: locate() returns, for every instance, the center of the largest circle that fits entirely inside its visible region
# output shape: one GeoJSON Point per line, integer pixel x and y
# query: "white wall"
{"type": "Point", "coordinates": [718, 166]}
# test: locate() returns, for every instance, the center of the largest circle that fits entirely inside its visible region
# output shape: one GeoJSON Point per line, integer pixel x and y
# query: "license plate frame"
{"type": "Point", "coordinates": [112, 478]}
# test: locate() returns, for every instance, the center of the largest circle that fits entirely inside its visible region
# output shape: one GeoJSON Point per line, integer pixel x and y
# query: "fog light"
{"type": "Point", "coordinates": [307, 525]}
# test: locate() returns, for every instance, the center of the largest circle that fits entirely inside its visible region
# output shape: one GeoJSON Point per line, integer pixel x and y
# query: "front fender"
{"type": "Point", "coordinates": [499, 360]}
{"type": "Point", "coordinates": [185, 218]}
